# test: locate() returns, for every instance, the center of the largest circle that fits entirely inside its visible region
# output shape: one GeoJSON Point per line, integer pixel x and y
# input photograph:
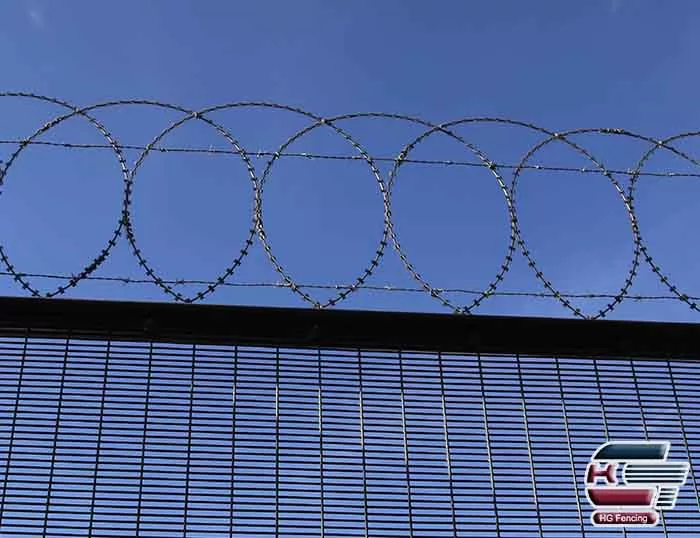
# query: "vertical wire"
{"type": "Point", "coordinates": [448, 455]}
{"type": "Point", "coordinates": [684, 433]}
{"type": "Point", "coordinates": [606, 430]}
{"type": "Point", "coordinates": [362, 444]}
{"type": "Point", "coordinates": [100, 427]}
{"type": "Point", "coordinates": [277, 442]}
{"type": "Point", "coordinates": [13, 427]}
{"type": "Point", "coordinates": [320, 441]}
{"type": "Point", "coordinates": [405, 448]}
{"type": "Point", "coordinates": [54, 444]}
{"type": "Point", "coordinates": [190, 415]}
{"type": "Point", "coordinates": [529, 444]}
{"type": "Point", "coordinates": [233, 439]}
{"type": "Point", "coordinates": [487, 435]}
{"type": "Point", "coordinates": [569, 445]}
{"type": "Point", "coordinates": [646, 432]}
{"type": "Point", "coordinates": [142, 469]}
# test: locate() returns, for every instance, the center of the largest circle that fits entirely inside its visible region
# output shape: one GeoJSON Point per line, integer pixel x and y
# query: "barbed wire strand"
{"type": "Point", "coordinates": [264, 154]}
{"type": "Point", "coordinates": [387, 288]}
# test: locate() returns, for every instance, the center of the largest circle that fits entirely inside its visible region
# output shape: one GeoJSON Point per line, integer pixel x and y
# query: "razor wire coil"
{"type": "Point", "coordinates": [125, 226]}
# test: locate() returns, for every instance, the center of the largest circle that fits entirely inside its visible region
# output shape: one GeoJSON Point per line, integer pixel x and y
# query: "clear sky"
{"type": "Point", "coordinates": [560, 65]}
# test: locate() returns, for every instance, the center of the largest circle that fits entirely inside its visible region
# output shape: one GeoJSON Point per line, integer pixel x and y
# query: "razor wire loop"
{"type": "Point", "coordinates": [100, 258]}
{"type": "Point", "coordinates": [262, 234]}
{"type": "Point", "coordinates": [634, 182]}
{"type": "Point", "coordinates": [631, 275]}
{"type": "Point", "coordinates": [437, 293]}
{"type": "Point", "coordinates": [128, 200]}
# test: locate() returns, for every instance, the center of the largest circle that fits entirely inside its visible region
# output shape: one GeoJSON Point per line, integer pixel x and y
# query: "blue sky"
{"type": "Point", "coordinates": [559, 65]}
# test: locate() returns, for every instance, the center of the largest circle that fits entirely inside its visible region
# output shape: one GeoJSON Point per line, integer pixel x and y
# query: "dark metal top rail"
{"type": "Point", "coordinates": [343, 329]}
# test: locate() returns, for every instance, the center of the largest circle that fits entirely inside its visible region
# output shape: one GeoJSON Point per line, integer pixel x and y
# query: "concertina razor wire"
{"type": "Point", "coordinates": [389, 237]}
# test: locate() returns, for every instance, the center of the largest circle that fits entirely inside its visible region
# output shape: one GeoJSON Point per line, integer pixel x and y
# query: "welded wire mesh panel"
{"type": "Point", "coordinates": [111, 438]}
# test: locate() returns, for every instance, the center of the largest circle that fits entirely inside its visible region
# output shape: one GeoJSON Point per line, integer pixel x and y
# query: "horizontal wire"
{"type": "Point", "coordinates": [388, 288]}
{"type": "Point", "coordinates": [48, 355]}
{"type": "Point", "coordinates": [337, 157]}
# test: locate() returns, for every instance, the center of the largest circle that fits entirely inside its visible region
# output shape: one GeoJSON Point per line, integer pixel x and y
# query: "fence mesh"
{"type": "Point", "coordinates": [110, 438]}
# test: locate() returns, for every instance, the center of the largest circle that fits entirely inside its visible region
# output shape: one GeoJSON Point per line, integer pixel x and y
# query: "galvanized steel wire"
{"type": "Point", "coordinates": [109, 438]}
